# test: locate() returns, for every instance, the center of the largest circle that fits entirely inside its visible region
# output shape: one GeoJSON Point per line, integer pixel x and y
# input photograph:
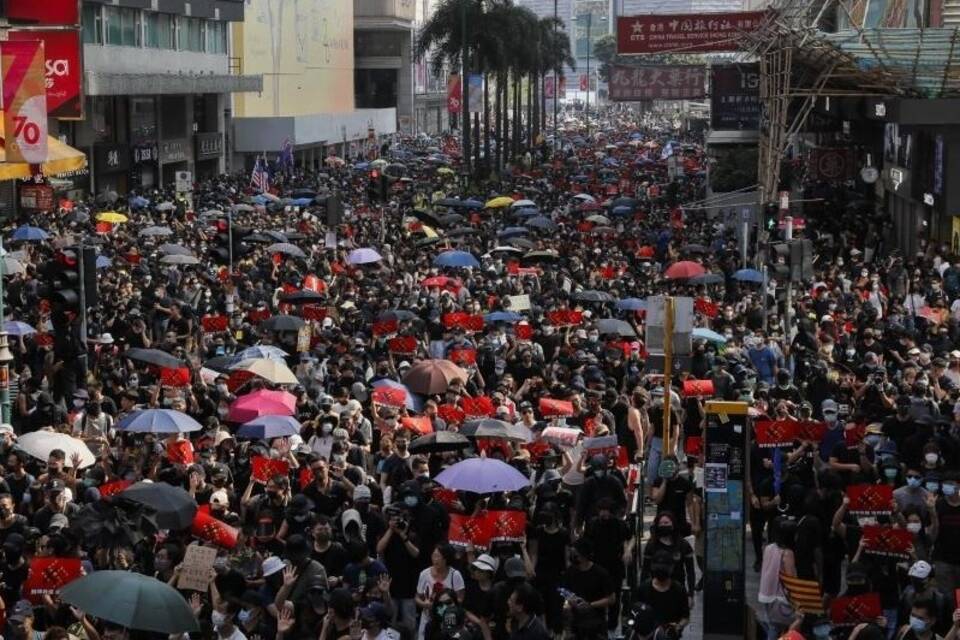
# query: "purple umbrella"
{"type": "Point", "coordinates": [268, 427]}
{"type": "Point", "coordinates": [363, 256]}
{"type": "Point", "coordinates": [483, 475]}
{"type": "Point", "coordinates": [158, 421]}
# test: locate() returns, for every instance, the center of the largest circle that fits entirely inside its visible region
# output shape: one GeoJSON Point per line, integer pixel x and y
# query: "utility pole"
{"type": "Point", "coordinates": [465, 92]}
{"type": "Point", "coordinates": [667, 371]}
{"type": "Point", "coordinates": [5, 356]}
{"type": "Point", "coordinates": [556, 80]}
{"type": "Point", "coordinates": [589, 47]}
{"type": "Point", "coordinates": [788, 302]}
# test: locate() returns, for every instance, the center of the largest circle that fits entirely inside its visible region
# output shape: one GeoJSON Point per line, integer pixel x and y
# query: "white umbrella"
{"type": "Point", "coordinates": [523, 203]}
{"type": "Point", "coordinates": [39, 444]}
{"type": "Point", "coordinates": [268, 369]}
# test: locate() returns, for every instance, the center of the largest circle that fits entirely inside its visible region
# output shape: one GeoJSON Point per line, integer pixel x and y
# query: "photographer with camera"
{"type": "Point", "coordinates": [399, 550]}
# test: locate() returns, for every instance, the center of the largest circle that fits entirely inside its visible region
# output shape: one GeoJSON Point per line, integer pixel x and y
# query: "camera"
{"type": "Point", "coordinates": [878, 379]}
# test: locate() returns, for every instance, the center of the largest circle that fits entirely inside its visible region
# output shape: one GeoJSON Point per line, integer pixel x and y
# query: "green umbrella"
{"type": "Point", "coordinates": [132, 600]}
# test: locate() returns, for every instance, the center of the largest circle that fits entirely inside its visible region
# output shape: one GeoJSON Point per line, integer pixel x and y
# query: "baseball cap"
{"type": "Point", "coordinates": [22, 610]}
{"type": "Point", "coordinates": [219, 498]}
{"type": "Point", "coordinates": [920, 569]}
{"type": "Point", "coordinates": [486, 562]}
{"type": "Point", "coordinates": [829, 406]}
{"type": "Point", "coordinates": [375, 611]}
{"type": "Point", "coordinates": [272, 565]}
{"type": "Point", "coordinates": [513, 567]}
{"type": "Point", "coordinates": [58, 521]}
{"type": "Point", "coordinates": [362, 492]}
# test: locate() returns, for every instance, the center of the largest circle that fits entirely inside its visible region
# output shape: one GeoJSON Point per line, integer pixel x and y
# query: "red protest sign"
{"type": "Point", "coordinates": [707, 308]}
{"type": "Point", "coordinates": [451, 414]}
{"type": "Point", "coordinates": [447, 497]}
{"type": "Point", "coordinates": [775, 433]}
{"type": "Point", "coordinates": [213, 324]}
{"type": "Point", "coordinates": [466, 530]}
{"type": "Point", "coordinates": [852, 610]}
{"type": "Point", "coordinates": [404, 345]}
{"type": "Point", "coordinates": [263, 468]}
{"type": "Point", "coordinates": [258, 315]}
{"type": "Point", "coordinates": [103, 227]}
{"type": "Point", "coordinates": [454, 319]}
{"type": "Point", "coordinates": [111, 489]}
{"type": "Point", "coordinates": [481, 406]}
{"type": "Point", "coordinates": [553, 408]}
{"type": "Point", "coordinates": [238, 378]}
{"type": "Point", "coordinates": [47, 575]}
{"type": "Point", "coordinates": [473, 323]}
{"type": "Point", "coordinates": [853, 436]}
{"type": "Point", "coordinates": [180, 452]}
{"type": "Point", "coordinates": [313, 312]}
{"type": "Point", "coordinates": [870, 499]}
{"type": "Point", "coordinates": [390, 397]}
{"type": "Point", "coordinates": [698, 388]}
{"type": "Point", "coordinates": [385, 327]}
{"type": "Point", "coordinates": [811, 430]}
{"type": "Point", "coordinates": [565, 318]}
{"type": "Point", "coordinates": [179, 377]}
{"type": "Point", "coordinates": [304, 477]}
{"type": "Point", "coordinates": [887, 541]}
{"type": "Point", "coordinates": [420, 424]}
{"type": "Point", "coordinates": [208, 528]}
{"type": "Point", "coordinates": [507, 526]}
{"type": "Point", "coordinates": [523, 331]}
{"type": "Point", "coordinates": [463, 357]}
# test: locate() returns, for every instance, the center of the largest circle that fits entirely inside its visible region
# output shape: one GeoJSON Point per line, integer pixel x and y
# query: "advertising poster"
{"type": "Point", "coordinates": [24, 102]}
{"type": "Point", "coordinates": [63, 70]}
{"type": "Point", "coordinates": [735, 96]}
{"type": "Point", "coordinates": [657, 82]}
{"type": "Point", "coordinates": [685, 32]}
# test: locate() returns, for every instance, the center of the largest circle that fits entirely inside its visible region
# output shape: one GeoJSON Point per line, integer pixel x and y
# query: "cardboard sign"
{"type": "Point", "coordinates": [507, 526]}
{"type": "Point", "coordinates": [698, 388]}
{"type": "Point", "coordinates": [304, 336]}
{"type": "Point", "coordinates": [852, 610]}
{"type": "Point", "coordinates": [256, 316]}
{"type": "Point", "coordinates": [47, 575]}
{"type": "Point", "coordinates": [466, 530]}
{"type": "Point", "coordinates": [561, 436]}
{"type": "Point", "coordinates": [179, 377]}
{"type": "Point", "coordinates": [607, 446]}
{"type": "Point", "coordinates": [461, 320]}
{"type": "Point", "coordinates": [870, 499]}
{"type": "Point", "coordinates": [565, 318]}
{"type": "Point", "coordinates": [196, 568]}
{"type": "Point", "coordinates": [811, 430]}
{"type": "Point", "coordinates": [262, 468]}
{"type": "Point", "coordinates": [313, 312]}
{"type": "Point", "coordinates": [238, 378]}
{"type": "Point", "coordinates": [213, 324]}
{"type": "Point", "coordinates": [854, 435]}
{"type": "Point", "coordinates": [775, 433]}
{"type": "Point", "coordinates": [523, 331]}
{"type": "Point", "coordinates": [553, 408]}
{"type": "Point", "coordinates": [887, 541]}
{"type": "Point", "coordinates": [463, 357]}
{"type": "Point", "coordinates": [180, 452]}
{"type": "Point", "coordinates": [519, 303]}
{"type": "Point", "coordinates": [385, 328]}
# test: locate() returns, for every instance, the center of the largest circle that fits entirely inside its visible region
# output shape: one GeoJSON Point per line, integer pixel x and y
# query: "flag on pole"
{"type": "Point", "coordinates": [286, 156]}
{"type": "Point", "coordinates": [259, 178]}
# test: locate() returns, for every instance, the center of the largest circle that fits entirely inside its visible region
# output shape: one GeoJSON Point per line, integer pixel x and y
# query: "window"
{"type": "Point", "coordinates": [158, 30]}
{"type": "Point", "coordinates": [216, 37]}
{"type": "Point", "coordinates": [190, 32]}
{"type": "Point", "coordinates": [122, 26]}
{"type": "Point", "coordinates": [111, 20]}
{"type": "Point", "coordinates": [92, 24]}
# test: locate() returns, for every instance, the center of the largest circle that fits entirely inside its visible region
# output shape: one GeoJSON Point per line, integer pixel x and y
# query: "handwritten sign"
{"type": "Point", "coordinates": [195, 571]}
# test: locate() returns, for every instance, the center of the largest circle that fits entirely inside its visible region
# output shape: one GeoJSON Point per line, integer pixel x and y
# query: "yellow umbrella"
{"type": "Point", "coordinates": [428, 231]}
{"type": "Point", "coordinates": [445, 171]}
{"type": "Point", "coordinates": [499, 202]}
{"type": "Point", "coordinates": [270, 370]}
{"type": "Point", "coordinates": [61, 159]}
{"type": "Point", "coordinates": [112, 217]}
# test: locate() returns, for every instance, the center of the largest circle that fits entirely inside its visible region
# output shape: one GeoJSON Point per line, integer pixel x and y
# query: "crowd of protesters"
{"type": "Point", "coordinates": [353, 538]}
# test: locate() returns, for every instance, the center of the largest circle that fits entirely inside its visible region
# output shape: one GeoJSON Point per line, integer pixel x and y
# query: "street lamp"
{"type": "Point", "coordinates": [5, 359]}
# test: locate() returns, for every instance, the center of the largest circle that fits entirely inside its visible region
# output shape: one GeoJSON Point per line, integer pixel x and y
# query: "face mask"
{"type": "Point", "coordinates": [665, 531]}
{"type": "Point", "coordinates": [932, 487]}
{"type": "Point", "coordinates": [326, 429]}
{"type": "Point", "coordinates": [222, 388]}
{"type": "Point", "coordinates": [949, 489]}
{"type": "Point", "coordinates": [931, 458]}
{"type": "Point", "coordinates": [913, 483]}
{"type": "Point", "coordinates": [914, 527]}
{"type": "Point", "coordinates": [872, 440]}
{"type": "Point", "coordinates": [822, 631]}
{"type": "Point", "coordinates": [919, 625]}
{"type": "Point", "coordinates": [891, 473]}
{"type": "Point", "coordinates": [593, 337]}
{"type": "Point", "coordinates": [244, 616]}
{"type": "Point", "coordinates": [78, 403]}
{"type": "Point", "coordinates": [217, 618]}
{"type": "Point", "coordinates": [411, 501]}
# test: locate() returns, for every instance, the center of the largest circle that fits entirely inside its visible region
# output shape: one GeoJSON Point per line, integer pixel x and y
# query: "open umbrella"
{"type": "Point", "coordinates": [592, 295]}
{"type": "Point", "coordinates": [155, 357]}
{"type": "Point", "coordinates": [153, 232]}
{"type": "Point", "coordinates": [262, 402]}
{"type": "Point", "coordinates": [632, 304]}
{"type": "Point", "coordinates": [433, 376]}
{"type": "Point", "coordinates": [269, 427]}
{"type": "Point", "coordinates": [287, 249]}
{"type": "Point", "coordinates": [365, 255]}
{"type": "Point", "coordinates": [439, 441]}
{"type": "Point", "coordinates": [542, 222]}
{"type": "Point", "coordinates": [523, 203]}
{"type": "Point", "coordinates": [175, 508]}
{"type": "Point", "coordinates": [492, 428]}
{"type": "Point", "coordinates": [26, 233]}
{"type": "Point", "coordinates": [456, 259]}
{"type": "Point", "coordinates": [166, 206]}
{"type": "Point", "coordinates": [178, 258]}
{"type": "Point", "coordinates": [394, 394]}
{"type": "Point", "coordinates": [263, 351]}
{"type": "Point", "coordinates": [684, 269]}
{"type": "Point", "coordinates": [305, 296]}
{"type": "Point", "coordinates": [701, 333]}
{"type": "Point", "coordinates": [273, 371]}
{"type": "Point", "coordinates": [612, 326]}
{"type": "Point", "coordinates": [498, 203]}
{"type": "Point", "coordinates": [748, 275]}
{"type": "Point", "coordinates": [17, 328]}
{"type": "Point", "coordinates": [282, 323]}
{"type": "Point", "coordinates": [598, 219]}
{"type": "Point", "coordinates": [112, 217]}
{"type": "Point", "coordinates": [502, 316]}
{"type": "Point", "coordinates": [11, 266]}
{"type": "Point", "coordinates": [158, 421]}
{"type": "Point", "coordinates": [706, 278]}
{"type": "Point", "coordinates": [482, 475]}
{"type": "Point", "coordinates": [39, 444]}
{"type": "Point", "coordinates": [175, 249]}
{"type": "Point", "coordinates": [131, 600]}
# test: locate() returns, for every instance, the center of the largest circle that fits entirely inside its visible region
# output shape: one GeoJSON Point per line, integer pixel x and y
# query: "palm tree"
{"type": "Point", "coordinates": [555, 56]}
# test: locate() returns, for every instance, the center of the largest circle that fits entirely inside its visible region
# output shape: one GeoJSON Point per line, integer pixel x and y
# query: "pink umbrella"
{"type": "Point", "coordinates": [684, 269]}
{"type": "Point", "coordinates": [262, 403]}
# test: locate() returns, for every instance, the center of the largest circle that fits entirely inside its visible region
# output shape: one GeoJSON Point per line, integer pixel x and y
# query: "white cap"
{"type": "Point", "coordinates": [486, 562]}
{"type": "Point", "coordinates": [219, 498]}
{"type": "Point", "coordinates": [920, 569]}
{"type": "Point", "coordinates": [272, 565]}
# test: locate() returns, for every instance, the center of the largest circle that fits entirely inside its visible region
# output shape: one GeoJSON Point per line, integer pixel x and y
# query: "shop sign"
{"type": "Point", "coordinates": [63, 69]}
{"type": "Point", "coordinates": [735, 96]}
{"type": "Point", "coordinates": [111, 158]}
{"type": "Point", "coordinates": [685, 32]}
{"type": "Point", "coordinates": [146, 153]}
{"type": "Point", "coordinates": [174, 151]}
{"type": "Point", "coordinates": [209, 145]}
{"type": "Point", "coordinates": [47, 12]}
{"type": "Point", "coordinates": [657, 82]}
{"type": "Point", "coordinates": [38, 197]}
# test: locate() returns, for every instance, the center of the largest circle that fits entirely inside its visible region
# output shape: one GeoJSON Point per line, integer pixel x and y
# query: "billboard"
{"type": "Point", "coordinates": [63, 70]}
{"type": "Point", "coordinates": [657, 82]}
{"type": "Point", "coordinates": [24, 102]}
{"type": "Point", "coordinates": [304, 50]}
{"type": "Point", "coordinates": [454, 93]}
{"type": "Point", "coordinates": [735, 96]}
{"type": "Point", "coordinates": [44, 13]}
{"type": "Point", "coordinates": [685, 31]}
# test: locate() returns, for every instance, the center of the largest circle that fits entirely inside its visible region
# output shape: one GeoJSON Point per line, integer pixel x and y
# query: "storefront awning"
{"type": "Point", "coordinates": [61, 159]}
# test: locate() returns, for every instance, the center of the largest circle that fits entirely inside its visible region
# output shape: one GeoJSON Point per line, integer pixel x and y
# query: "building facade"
{"type": "Point", "coordinates": [158, 79]}
{"type": "Point", "coordinates": [430, 89]}
{"type": "Point", "coordinates": [383, 57]}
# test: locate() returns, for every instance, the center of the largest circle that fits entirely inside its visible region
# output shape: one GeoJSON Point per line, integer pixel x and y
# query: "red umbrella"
{"type": "Point", "coordinates": [684, 269]}
{"type": "Point", "coordinates": [433, 376]}
{"type": "Point", "coordinates": [646, 251]}
{"type": "Point", "coordinates": [440, 281]}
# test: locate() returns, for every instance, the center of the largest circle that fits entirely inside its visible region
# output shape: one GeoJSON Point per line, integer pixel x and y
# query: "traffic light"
{"type": "Point", "coordinates": [771, 215]}
{"type": "Point", "coordinates": [801, 260]}
{"type": "Point", "coordinates": [779, 261]}
{"type": "Point", "coordinates": [70, 276]}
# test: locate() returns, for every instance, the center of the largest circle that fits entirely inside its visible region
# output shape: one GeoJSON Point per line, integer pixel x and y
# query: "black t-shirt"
{"type": "Point", "coordinates": [668, 606]}
{"type": "Point", "coordinates": [809, 537]}
{"type": "Point", "coordinates": [593, 584]}
{"type": "Point", "coordinates": [334, 559]}
{"type": "Point", "coordinates": [551, 554]}
{"type": "Point", "coordinates": [947, 547]}
{"type": "Point", "coordinates": [899, 430]}
{"type": "Point", "coordinates": [675, 501]}
{"type": "Point", "coordinates": [608, 537]}
{"type": "Point", "coordinates": [402, 566]}
{"type": "Point", "coordinates": [477, 601]}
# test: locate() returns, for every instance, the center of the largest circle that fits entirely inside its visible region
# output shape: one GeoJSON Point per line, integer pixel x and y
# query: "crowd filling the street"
{"type": "Point", "coordinates": [388, 400]}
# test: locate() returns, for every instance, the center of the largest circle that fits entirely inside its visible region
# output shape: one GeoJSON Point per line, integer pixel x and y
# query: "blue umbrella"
{"type": "Point", "coordinates": [542, 222]}
{"type": "Point", "coordinates": [526, 212]}
{"type": "Point", "coordinates": [622, 211]}
{"type": "Point", "coordinates": [103, 262]}
{"type": "Point", "coordinates": [17, 328]}
{"type": "Point", "coordinates": [364, 256]}
{"type": "Point", "coordinates": [414, 401]}
{"type": "Point", "coordinates": [632, 304]}
{"type": "Point", "coordinates": [362, 166]}
{"type": "Point", "coordinates": [138, 202]}
{"type": "Point", "coordinates": [261, 200]}
{"type": "Point", "coordinates": [158, 421]}
{"type": "Point", "coordinates": [513, 231]}
{"type": "Point", "coordinates": [706, 278]}
{"type": "Point", "coordinates": [268, 427]}
{"type": "Point", "coordinates": [502, 316]}
{"type": "Point", "coordinates": [701, 333]}
{"type": "Point", "coordinates": [301, 202]}
{"type": "Point", "coordinates": [263, 351]}
{"type": "Point", "coordinates": [26, 233]}
{"type": "Point", "coordinates": [748, 275]}
{"type": "Point", "coordinates": [456, 259]}
{"type": "Point", "coordinates": [470, 203]}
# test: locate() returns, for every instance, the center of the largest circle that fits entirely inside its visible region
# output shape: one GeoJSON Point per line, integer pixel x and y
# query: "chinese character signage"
{"type": "Point", "coordinates": [735, 96]}
{"type": "Point", "coordinates": [685, 32]}
{"type": "Point", "coordinates": [661, 82]}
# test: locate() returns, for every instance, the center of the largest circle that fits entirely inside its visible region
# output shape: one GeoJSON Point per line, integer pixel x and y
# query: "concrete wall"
{"type": "Point", "coordinates": [254, 135]}
{"type": "Point", "coordinates": [109, 59]}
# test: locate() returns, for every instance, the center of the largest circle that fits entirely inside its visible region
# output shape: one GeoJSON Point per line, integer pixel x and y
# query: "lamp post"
{"type": "Point", "coordinates": [556, 80]}
{"type": "Point", "coordinates": [5, 356]}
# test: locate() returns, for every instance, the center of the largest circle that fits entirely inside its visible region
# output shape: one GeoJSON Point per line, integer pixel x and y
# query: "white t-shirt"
{"type": "Point", "coordinates": [427, 587]}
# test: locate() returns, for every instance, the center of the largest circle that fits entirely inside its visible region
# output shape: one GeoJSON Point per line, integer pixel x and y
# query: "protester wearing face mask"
{"type": "Point", "coordinates": [664, 595]}
{"type": "Point", "coordinates": [922, 621]}
{"type": "Point", "coordinates": [946, 548]}
{"type": "Point", "coordinates": [912, 493]}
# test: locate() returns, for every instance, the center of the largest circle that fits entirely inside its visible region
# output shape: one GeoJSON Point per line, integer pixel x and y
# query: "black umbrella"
{"type": "Point", "coordinates": [426, 242]}
{"type": "Point", "coordinates": [439, 441]}
{"type": "Point", "coordinates": [612, 326]}
{"type": "Point", "coordinates": [695, 248]}
{"type": "Point", "coordinates": [592, 295]}
{"type": "Point", "coordinates": [302, 297]}
{"type": "Point", "coordinates": [283, 323]}
{"type": "Point", "coordinates": [540, 256]}
{"type": "Point", "coordinates": [520, 242]}
{"type": "Point", "coordinates": [397, 314]}
{"type": "Point", "coordinates": [222, 363]}
{"type": "Point", "coordinates": [426, 218]}
{"type": "Point", "coordinates": [154, 357]}
{"type": "Point", "coordinates": [174, 507]}
{"type": "Point", "coordinates": [491, 428]}
{"type": "Point", "coordinates": [451, 219]}
{"type": "Point", "coordinates": [462, 231]}
{"type": "Point", "coordinates": [449, 202]}
{"type": "Point", "coordinates": [259, 237]}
